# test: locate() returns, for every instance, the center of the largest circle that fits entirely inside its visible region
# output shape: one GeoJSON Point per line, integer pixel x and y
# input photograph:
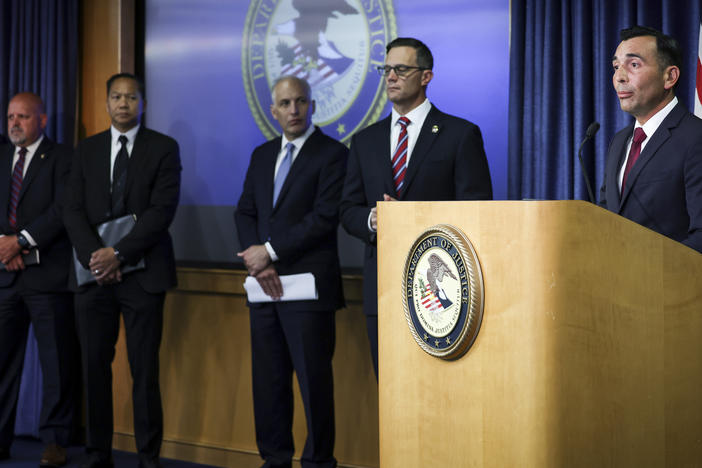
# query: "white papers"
{"type": "Point", "coordinates": [295, 288]}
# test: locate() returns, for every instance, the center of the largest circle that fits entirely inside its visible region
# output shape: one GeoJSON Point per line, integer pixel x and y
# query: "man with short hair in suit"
{"type": "Point", "coordinates": [653, 173]}
{"type": "Point", "coordinates": [125, 170]}
{"type": "Point", "coordinates": [417, 153]}
{"type": "Point", "coordinates": [35, 171]}
{"type": "Point", "coordinates": [287, 220]}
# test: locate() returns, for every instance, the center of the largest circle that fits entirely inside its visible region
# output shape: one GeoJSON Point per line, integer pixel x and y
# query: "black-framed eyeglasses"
{"type": "Point", "coordinates": [400, 70]}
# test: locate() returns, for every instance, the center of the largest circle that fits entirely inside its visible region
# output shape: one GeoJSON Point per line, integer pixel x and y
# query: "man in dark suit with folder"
{"type": "Point", "coordinates": [417, 153]}
{"type": "Point", "coordinates": [36, 254]}
{"type": "Point", "coordinates": [287, 220]}
{"type": "Point", "coordinates": [125, 170]}
{"type": "Point", "coordinates": [653, 174]}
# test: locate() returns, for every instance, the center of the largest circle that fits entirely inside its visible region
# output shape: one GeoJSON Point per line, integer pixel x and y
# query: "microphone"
{"type": "Point", "coordinates": [589, 134]}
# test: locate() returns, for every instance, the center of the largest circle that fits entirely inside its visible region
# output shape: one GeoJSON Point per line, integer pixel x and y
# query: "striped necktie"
{"type": "Point", "coordinates": [16, 186]}
{"type": "Point", "coordinates": [399, 159]}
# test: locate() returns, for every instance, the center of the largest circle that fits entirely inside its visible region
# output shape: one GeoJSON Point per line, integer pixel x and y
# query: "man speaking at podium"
{"type": "Point", "coordinates": [653, 174]}
{"type": "Point", "coordinates": [418, 153]}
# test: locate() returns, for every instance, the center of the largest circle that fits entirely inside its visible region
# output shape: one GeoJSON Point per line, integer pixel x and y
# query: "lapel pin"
{"type": "Point", "coordinates": [435, 129]}
{"type": "Point", "coordinates": [42, 156]}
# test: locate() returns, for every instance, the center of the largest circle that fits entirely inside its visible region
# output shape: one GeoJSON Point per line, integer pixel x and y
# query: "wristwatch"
{"type": "Point", "coordinates": [119, 256]}
{"type": "Point", "coordinates": [23, 242]}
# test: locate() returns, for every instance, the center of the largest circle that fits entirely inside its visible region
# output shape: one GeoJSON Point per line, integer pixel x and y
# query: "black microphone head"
{"type": "Point", "coordinates": [592, 129]}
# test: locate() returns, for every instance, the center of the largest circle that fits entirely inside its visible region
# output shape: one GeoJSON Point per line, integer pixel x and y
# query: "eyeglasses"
{"type": "Point", "coordinates": [400, 70]}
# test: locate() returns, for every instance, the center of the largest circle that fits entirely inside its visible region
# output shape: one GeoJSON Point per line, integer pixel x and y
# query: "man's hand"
{"type": "Point", "coordinates": [104, 266]}
{"type": "Point", "coordinates": [255, 258]}
{"type": "Point", "coordinates": [114, 277]}
{"type": "Point", "coordinates": [374, 212]}
{"type": "Point", "coordinates": [9, 248]}
{"type": "Point", "coordinates": [270, 282]}
{"type": "Point", "coordinates": [15, 264]}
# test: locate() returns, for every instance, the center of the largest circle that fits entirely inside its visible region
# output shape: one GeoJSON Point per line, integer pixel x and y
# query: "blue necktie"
{"type": "Point", "coordinates": [283, 171]}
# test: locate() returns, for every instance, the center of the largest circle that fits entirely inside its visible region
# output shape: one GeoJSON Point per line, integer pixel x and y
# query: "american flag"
{"type": "Point", "coordinates": [430, 301]}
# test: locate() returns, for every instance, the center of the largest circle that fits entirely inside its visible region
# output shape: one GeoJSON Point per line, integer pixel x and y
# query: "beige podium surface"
{"type": "Point", "coordinates": [589, 352]}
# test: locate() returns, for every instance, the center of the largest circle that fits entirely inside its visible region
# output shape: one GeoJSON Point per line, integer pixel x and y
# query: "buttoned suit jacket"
{"type": "Point", "coordinates": [39, 212]}
{"type": "Point", "coordinates": [151, 193]}
{"type": "Point", "coordinates": [302, 226]}
{"type": "Point", "coordinates": [448, 163]}
{"type": "Point", "coordinates": [663, 191]}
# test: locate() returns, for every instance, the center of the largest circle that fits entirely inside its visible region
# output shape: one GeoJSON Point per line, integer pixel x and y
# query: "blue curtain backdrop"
{"type": "Point", "coordinates": [561, 81]}
{"type": "Point", "coordinates": [39, 53]}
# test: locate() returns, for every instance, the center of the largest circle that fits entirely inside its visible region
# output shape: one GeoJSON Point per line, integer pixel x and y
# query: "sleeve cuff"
{"type": "Point", "coordinates": [271, 252]}
{"type": "Point", "coordinates": [370, 229]}
{"type": "Point", "coordinates": [29, 238]}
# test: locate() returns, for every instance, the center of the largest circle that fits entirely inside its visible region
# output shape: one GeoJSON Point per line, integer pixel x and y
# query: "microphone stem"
{"type": "Point", "coordinates": [585, 174]}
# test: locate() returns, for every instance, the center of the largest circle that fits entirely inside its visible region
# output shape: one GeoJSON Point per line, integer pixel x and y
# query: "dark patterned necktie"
{"type": "Point", "coordinates": [16, 186]}
{"type": "Point", "coordinates": [119, 179]}
{"type": "Point", "coordinates": [634, 152]}
{"type": "Point", "coordinates": [399, 159]}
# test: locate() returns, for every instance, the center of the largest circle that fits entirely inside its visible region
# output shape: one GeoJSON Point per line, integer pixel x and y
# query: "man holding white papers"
{"type": "Point", "coordinates": [286, 220]}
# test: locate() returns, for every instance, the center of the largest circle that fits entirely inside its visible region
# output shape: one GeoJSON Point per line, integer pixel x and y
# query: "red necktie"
{"type": "Point", "coordinates": [634, 152]}
{"type": "Point", "coordinates": [16, 186]}
{"type": "Point", "coordinates": [399, 159]}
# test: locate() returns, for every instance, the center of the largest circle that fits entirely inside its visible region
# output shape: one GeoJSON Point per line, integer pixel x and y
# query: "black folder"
{"type": "Point", "coordinates": [110, 232]}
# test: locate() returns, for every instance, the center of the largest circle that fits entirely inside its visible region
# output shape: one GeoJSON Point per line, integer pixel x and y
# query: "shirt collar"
{"type": "Point", "coordinates": [31, 149]}
{"type": "Point", "coordinates": [130, 134]}
{"type": "Point", "coordinates": [299, 141]}
{"type": "Point", "coordinates": [416, 115]}
{"type": "Point", "coordinates": [654, 122]}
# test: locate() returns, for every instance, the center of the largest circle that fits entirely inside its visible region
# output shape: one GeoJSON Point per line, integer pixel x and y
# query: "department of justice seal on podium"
{"type": "Point", "coordinates": [442, 292]}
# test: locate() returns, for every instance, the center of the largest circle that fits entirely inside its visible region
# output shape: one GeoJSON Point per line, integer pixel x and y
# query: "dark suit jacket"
{"type": "Point", "coordinates": [448, 163]}
{"type": "Point", "coordinates": [39, 212]}
{"type": "Point", "coordinates": [664, 188]}
{"type": "Point", "coordinates": [302, 226]}
{"type": "Point", "coordinates": [152, 192]}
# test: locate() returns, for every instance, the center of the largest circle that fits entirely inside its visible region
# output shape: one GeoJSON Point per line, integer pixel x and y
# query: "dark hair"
{"type": "Point", "coordinates": [424, 57]}
{"type": "Point", "coordinates": [139, 82]}
{"type": "Point", "coordinates": [669, 53]}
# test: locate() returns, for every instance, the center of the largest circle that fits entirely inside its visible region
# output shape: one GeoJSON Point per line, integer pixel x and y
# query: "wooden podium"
{"type": "Point", "coordinates": [589, 353]}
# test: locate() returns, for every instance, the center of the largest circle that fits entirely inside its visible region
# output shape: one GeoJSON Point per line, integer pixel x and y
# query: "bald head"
{"type": "Point", "coordinates": [26, 119]}
{"type": "Point", "coordinates": [302, 84]}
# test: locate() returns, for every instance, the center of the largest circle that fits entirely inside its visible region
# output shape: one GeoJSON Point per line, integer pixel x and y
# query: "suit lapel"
{"type": "Point", "coordinates": [426, 139]}
{"type": "Point", "coordinates": [382, 157]}
{"type": "Point", "coordinates": [102, 166]}
{"type": "Point", "coordinates": [38, 159]}
{"type": "Point", "coordinates": [267, 176]}
{"type": "Point", "coordinates": [659, 137]}
{"type": "Point", "coordinates": [619, 150]}
{"type": "Point", "coordinates": [137, 158]}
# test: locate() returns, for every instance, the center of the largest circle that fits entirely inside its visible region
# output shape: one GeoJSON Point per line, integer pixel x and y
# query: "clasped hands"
{"type": "Point", "coordinates": [259, 265]}
{"type": "Point", "coordinates": [104, 266]}
{"type": "Point", "coordinates": [10, 252]}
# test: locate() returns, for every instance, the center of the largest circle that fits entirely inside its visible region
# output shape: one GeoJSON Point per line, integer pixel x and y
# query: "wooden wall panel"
{"type": "Point", "coordinates": [106, 47]}
{"type": "Point", "coordinates": [206, 378]}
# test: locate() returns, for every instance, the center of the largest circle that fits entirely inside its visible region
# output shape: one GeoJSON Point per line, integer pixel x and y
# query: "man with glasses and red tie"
{"type": "Point", "coordinates": [417, 153]}
{"type": "Point", "coordinates": [653, 174]}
